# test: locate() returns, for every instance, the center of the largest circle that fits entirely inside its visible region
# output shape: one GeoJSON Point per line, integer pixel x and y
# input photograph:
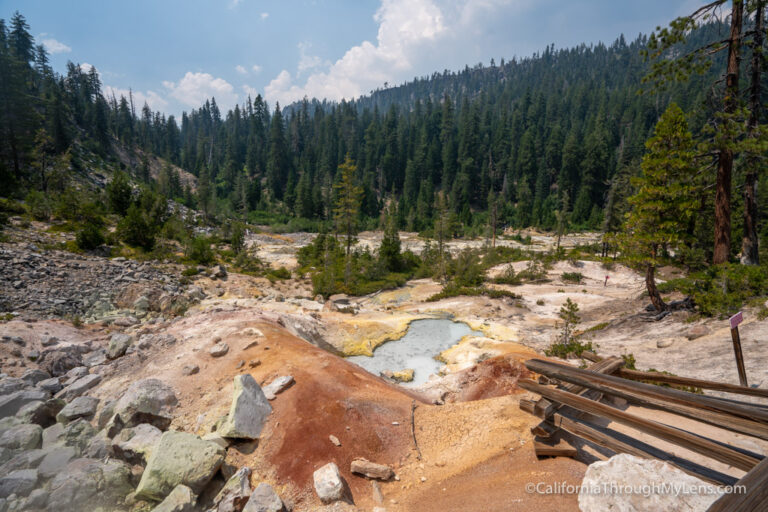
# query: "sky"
{"type": "Point", "coordinates": [174, 54]}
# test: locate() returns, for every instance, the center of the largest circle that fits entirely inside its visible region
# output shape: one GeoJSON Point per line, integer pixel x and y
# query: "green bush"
{"type": "Point", "coordinates": [563, 349]}
{"type": "Point", "coordinates": [199, 251]}
{"type": "Point", "coordinates": [508, 277]}
{"type": "Point", "coordinates": [119, 194]}
{"type": "Point", "coordinates": [38, 205]}
{"type": "Point", "coordinates": [136, 230]}
{"type": "Point", "coordinates": [572, 277]}
{"type": "Point", "coordinates": [722, 290]}
{"type": "Point", "coordinates": [451, 290]}
{"type": "Point", "coordinates": [89, 237]}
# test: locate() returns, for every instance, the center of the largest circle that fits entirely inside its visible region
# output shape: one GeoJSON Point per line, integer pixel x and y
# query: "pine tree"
{"type": "Point", "coordinates": [665, 199]}
{"type": "Point", "coordinates": [348, 199]}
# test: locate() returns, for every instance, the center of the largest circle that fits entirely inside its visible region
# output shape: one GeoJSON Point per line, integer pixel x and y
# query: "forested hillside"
{"type": "Point", "coordinates": [555, 135]}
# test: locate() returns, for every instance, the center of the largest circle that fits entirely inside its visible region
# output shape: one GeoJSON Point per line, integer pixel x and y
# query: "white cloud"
{"type": "Point", "coordinates": [414, 37]}
{"type": "Point", "coordinates": [85, 67]}
{"type": "Point", "coordinates": [235, 3]}
{"type": "Point", "coordinates": [307, 61]}
{"type": "Point", "coordinates": [256, 68]}
{"type": "Point", "coordinates": [250, 91]}
{"type": "Point", "coordinates": [151, 98]}
{"type": "Point", "coordinates": [264, 15]}
{"type": "Point", "coordinates": [54, 46]}
{"type": "Point", "coordinates": [241, 70]}
{"type": "Point", "coordinates": [194, 88]}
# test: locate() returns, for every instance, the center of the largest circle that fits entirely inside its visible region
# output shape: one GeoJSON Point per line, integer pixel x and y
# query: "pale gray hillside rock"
{"type": "Point", "coordinates": [264, 499]}
{"type": "Point", "coordinates": [277, 386]}
{"type": "Point", "coordinates": [41, 413]}
{"type": "Point", "coordinates": [20, 482]}
{"type": "Point", "coordinates": [118, 344]}
{"type": "Point", "coordinates": [627, 470]}
{"type": "Point", "coordinates": [179, 458]}
{"type": "Point", "coordinates": [80, 407]}
{"type": "Point", "coordinates": [12, 403]}
{"type": "Point", "coordinates": [219, 349]}
{"type": "Point", "coordinates": [135, 445]}
{"type": "Point", "coordinates": [235, 493]}
{"type": "Point", "coordinates": [79, 387]}
{"type": "Point", "coordinates": [22, 437]}
{"type": "Point", "coordinates": [249, 410]}
{"type": "Point", "coordinates": [181, 499]}
{"type": "Point", "coordinates": [86, 484]}
{"type": "Point", "coordinates": [370, 469]}
{"type": "Point", "coordinates": [55, 460]}
{"type": "Point", "coordinates": [146, 401]}
{"type": "Point", "coordinates": [328, 483]}
{"type": "Point", "coordinates": [52, 385]}
{"type": "Point", "coordinates": [33, 376]}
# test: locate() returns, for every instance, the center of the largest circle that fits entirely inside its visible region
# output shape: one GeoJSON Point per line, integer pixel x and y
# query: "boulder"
{"type": "Point", "coordinates": [264, 499]}
{"type": "Point", "coordinates": [22, 437]}
{"type": "Point", "coordinates": [12, 403]}
{"type": "Point", "coordinates": [41, 413]}
{"type": "Point", "coordinates": [87, 483]}
{"type": "Point", "coordinates": [219, 349]}
{"type": "Point", "coordinates": [135, 445]}
{"type": "Point", "coordinates": [32, 377]}
{"type": "Point", "coordinates": [190, 369]}
{"type": "Point", "coordinates": [77, 434]}
{"type": "Point", "coordinates": [277, 385]}
{"type": "Point", "coordinates": [37, 500]}
{"type": "Point", "coordinates": [80, 407]}
{"type": "Point", "coordinates": [60, 361]}
{"type": "Point", "coordinates": [146, 401]}
{"type": "Point", "coordinates": [20, 482]}
{"type": "Point", "coordinates": [55, 460]}
{"type": "Point", "coordinates": [181, 499]}
{"type": "Point", "coordinates": [664, 343]}
{"type": "Point", "coordinates": [179, 458]}
{"type": "Point", "coordinates": [218, 272]}
{"type": "Point", "coordinates": [370, 469]}
{"type": "Point", "coordinates": [235, 493]}
{"type": "Point", "coordinates": [697, 331]}
{"type": "Point", "coordinates": [625, 470]}
{"type": "Point", "coordinates": [12, 384]}
{"type": "Point", "coordinates": [328, 483]}
{"type": "Point", "coordinates": [118, 344]}
{"type": "Point", "coordinates": [249, 410]}
{"type": "Point", "coordinates": [29, 459]}
{"type": "Point", "coordinates": [52, 385]}
{"type": "Point", "coordinates": [79, 387]}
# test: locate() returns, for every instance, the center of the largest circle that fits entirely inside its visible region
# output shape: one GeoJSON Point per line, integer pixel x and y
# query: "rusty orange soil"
{"type": "Point", "coordinates": [472, 454]}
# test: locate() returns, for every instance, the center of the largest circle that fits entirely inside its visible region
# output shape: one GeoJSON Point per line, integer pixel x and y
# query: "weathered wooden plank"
{"type": "Point", "coordinates": [547, 448]}
{"type": "Point", "coordinates": [687, 440]}
{"type": "Point", "coordinates": [755, 499]}
{"type": "Point", "coordinates": [613, 385]}
{"type": "Point", "coordinates": [686, 381]}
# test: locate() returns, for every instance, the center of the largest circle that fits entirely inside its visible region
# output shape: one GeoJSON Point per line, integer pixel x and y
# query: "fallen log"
{"type": "Point", "coordinates": [687, 440]}
{"type": "Point", "coordinates": [550, 449]}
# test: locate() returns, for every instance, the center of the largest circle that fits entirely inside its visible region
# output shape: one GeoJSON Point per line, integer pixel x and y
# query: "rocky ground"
{"type": "Point", "coordinates": [228, 393]}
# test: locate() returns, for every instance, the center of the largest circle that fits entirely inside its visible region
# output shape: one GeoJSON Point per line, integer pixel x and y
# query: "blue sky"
{"type": "Point", "coordinates": [175, 53]}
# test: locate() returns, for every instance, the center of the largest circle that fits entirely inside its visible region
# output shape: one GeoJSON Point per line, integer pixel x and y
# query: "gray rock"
{"type": "Point", "coordinates": [146, 401]}
{"type": "Point", "coordinates": [79, 387]}
{"type": "Point", "coordinates": [218, 272]}
{"type": "Point", "coordinates": [19, 482]}
{"type": "Point", "coordinates": [77, 434]}
{"type": "Point", "coordinates": [141, 304]}
{"type": "Point", "coordinates": [328, 483]}
{"type": "Point", "coordinates": [249, 410]}
{"type": "Point", "coordinates": [80, 407]}
{"type": "Point", "coordinates": [118, 345]}
{"type": "Point", "coordinates": [277, 385]}
{"type": "Point", "coordinates": [52, 385]}
{"type": "Point", "coordinates": [181, 499]}
{"type": "Point", "coordinates": [370, 469]}
{"type": "Point", "coordinates": [98, 446]}
{"type": "Point", "coordinates": [29, 459]}
{"type": "Point", "coordinates": [235, 493]}
{"type": "Point", "coordinates": [666, 342]}
{"type": "Point", "coordinates": [37, 500]}
{"type": "Point", "coordinates": [11, 404]}
{"type": "Point", "coordinates": [41, 413]}
{"type": "Point", "coordinates": [697, 331]}
{"type": "Point", "coordinates": [190, 369]}
{"type": "Point", "coordinates": [96, 358]}
{"type": "Point", "coordinates": [135, 445]}
{"type": "Point", "coordinates": [179, 458]}
{"type": "Point", "coordinates": [626, 471]}
{"type": "Point", "coordinates": [87, 483]}
{"type": "Point", "coordinates": [219, 349]}
{"type": "Point", "coordinates": [55, 460]}
{"type": "Point", "coordinates": [126, 321]}
{"type": "Point", "coordinates": [264, 499]}
{"type": "Point", "coordinates": [49, 341]}
{"type": "Point", "coordinates": [22, 437]}
{"type": "Point", "coordinates": [12, 384]}
{"type": "Point", "coordinates": [33, 377]}
{"type": "Point", "coordinates": [59, 361]}
{"type": "Point", "coordinates": [74, 374]}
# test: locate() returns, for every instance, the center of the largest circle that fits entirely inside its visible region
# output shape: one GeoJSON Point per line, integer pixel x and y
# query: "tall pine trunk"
{"type": "Point", "coordinates": [722, 248]}
{"type": "Point", "coordinates": [749, 243]}
{"type": "Point", "coordinates": [653, 292]}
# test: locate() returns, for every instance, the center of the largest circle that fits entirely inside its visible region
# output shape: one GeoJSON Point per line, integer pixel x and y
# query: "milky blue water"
{"type": "Point", "coordinates": [417, 349]}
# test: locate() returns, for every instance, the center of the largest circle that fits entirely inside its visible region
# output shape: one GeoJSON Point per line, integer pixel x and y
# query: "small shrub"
{"type": "Point", "coordinates": [89, 237]}
{"type": "Point", "coordinates": [449, 291]}
{"type": "Point", "coordinates": [629, 361]}
{"type": "Point", "coordinates": [199, 251]}
{"type": "Point", "coordinates": [508, 277]}
{"type": "Point", "coordinates": [540, 302]}
{"type": "Point", "coordinates": [38, 205]}
{"type": "Point", "coordinates": [277, 274]}
{"type": "Point", "coordinates": [190, 271]}
{"type": "Point", "coordinates": [572, 277]}
{"type": "Point", "coordinates": [564, 349]}
{"type": "Point", "coordinates": [136, 230]}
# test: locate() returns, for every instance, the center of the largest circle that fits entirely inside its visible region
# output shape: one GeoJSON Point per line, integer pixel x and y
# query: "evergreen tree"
{"type": "Point", "coordinates": [348, 199]}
